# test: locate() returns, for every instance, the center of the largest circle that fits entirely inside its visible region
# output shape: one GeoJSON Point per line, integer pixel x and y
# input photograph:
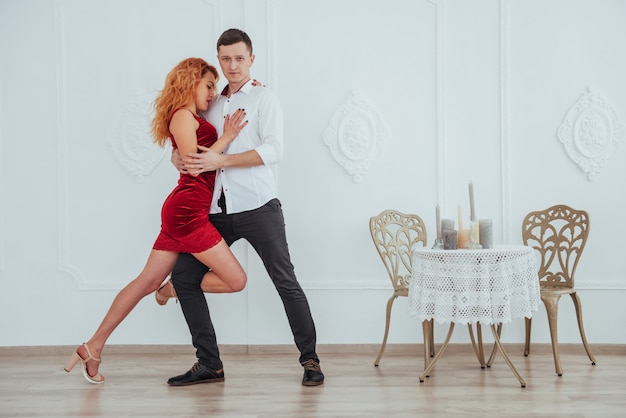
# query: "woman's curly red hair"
{"type": "Point", "coordinates": [179, 90]}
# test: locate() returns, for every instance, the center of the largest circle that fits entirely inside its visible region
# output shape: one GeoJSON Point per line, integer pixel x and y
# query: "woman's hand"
{"type": "Point", "coordinates": [207, 159]}
{"type": "Point", "coordinates": [233, 124]}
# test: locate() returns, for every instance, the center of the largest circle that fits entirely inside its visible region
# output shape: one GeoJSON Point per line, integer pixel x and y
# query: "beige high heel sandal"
{"type": "Point", "coordinates": [162, 300]}
{"type": "Point", "coordinates": [95, 379]}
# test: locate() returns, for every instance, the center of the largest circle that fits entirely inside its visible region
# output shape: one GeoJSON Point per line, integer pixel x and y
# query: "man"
{"type": "Point", "coordinates": [245, 205]}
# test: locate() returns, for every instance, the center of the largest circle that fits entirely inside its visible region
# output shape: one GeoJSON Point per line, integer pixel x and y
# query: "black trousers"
{"type": "Point", "coordinates": [264, 229]}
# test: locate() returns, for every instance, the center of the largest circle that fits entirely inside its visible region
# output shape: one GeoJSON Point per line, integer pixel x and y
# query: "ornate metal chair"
{"type": "Point", "coordinates": [395, 235]}
{"type": "Point", "coordinates": [559, 235]}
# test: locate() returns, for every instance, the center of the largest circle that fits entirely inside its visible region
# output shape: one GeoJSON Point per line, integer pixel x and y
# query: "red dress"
{"type": "Point", "coordinates": [185, 226]}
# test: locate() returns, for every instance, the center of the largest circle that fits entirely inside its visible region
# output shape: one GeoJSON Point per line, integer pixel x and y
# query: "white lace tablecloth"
{"type": "Point", "coordinates": [489, 286]}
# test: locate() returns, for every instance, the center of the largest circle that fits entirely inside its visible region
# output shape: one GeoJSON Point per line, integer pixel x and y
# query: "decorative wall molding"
{"type": "Point", "coordinates": [440, 71]}
{"type": "Point", "coordinates": [272, 24]}
{"type": "Point", "coordinates": [356, 135]}
{"type": "Point", "coordinates": [591, 132]}
{"type": "Point", "coordinates": [505, 123]}
{"type": "Point", "coordinates": [129, 137]}
{"type": "Point", "coordinates": [61, 111]}
{"type": "Point", "coordinates": [2, 214]}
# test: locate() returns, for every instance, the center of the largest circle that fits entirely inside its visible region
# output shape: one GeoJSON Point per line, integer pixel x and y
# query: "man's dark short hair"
{"type": "Point", "coordinates": [233, 36]}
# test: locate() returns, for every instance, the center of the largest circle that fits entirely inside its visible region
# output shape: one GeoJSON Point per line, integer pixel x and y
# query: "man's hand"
{"type": "Point", "coordinates": [178, 162]}
{"type": "Point", "coordinates": [207, 160]}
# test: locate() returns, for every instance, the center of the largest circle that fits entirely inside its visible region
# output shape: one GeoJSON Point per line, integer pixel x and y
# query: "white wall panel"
{"type": "Point", "coordinates": [558, 49]}
{"type": "Point", "coordinates": [469, 90]}
{"type": "Point", "coordinates": [112, 60]}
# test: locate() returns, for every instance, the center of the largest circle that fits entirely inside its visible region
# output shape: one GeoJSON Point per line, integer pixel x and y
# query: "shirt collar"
{"type": "Point", "coordinates": [244, 89]}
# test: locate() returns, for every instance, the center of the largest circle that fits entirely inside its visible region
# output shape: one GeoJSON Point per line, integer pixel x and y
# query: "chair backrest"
{"type": "Point", "coordinates": [559, 234]}
{"type": "Point", "coordinates": [395, 236]}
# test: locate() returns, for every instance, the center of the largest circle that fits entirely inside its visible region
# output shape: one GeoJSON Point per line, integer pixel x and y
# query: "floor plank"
{"type": "Point", "coordinates": [265, 382]}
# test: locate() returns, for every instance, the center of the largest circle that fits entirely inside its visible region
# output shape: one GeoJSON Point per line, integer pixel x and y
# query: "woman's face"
{"type": "Point", "coordinates": [205, 92]}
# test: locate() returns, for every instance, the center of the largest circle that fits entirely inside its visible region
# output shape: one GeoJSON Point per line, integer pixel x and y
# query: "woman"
{"type": "Point", "coordinates": [189, 88]}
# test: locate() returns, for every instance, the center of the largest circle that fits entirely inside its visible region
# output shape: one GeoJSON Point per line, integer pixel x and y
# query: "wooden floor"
{"type": "Point", "coordinates": [265, 382]}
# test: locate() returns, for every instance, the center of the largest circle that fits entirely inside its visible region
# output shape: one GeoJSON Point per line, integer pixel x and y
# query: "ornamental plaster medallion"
{"type": "Point", "coordinates": [356, 135]}
{"type": "Point", "coordinates": [131, 140]}
{"type": "Point", "coordinates": [591, 132]}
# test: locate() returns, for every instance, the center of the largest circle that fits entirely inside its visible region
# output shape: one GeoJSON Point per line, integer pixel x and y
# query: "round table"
{"type": "Point", "coordinates": [485, 286]}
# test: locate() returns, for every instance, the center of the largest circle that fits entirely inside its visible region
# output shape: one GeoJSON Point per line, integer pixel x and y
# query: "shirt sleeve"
{"type": "Point", "coordinates": [271, 130]}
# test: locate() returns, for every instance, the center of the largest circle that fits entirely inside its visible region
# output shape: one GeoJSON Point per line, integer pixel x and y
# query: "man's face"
{"type": "Point", "coordinates": [235, 61]}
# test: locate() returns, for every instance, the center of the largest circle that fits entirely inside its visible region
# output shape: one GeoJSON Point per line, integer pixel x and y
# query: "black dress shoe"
{"type": "Point", "coordinates": [197, 374]}
{"type": "Point", "coordinates": [313, 375]}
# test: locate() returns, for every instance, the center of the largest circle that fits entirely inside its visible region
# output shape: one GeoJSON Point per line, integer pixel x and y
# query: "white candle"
{"type": "Point", "coordinates": [460, 216]}
{"type": "Point", "coordinates": [438, 222]}
{"type": "Point", "coordinates": [471, 195]}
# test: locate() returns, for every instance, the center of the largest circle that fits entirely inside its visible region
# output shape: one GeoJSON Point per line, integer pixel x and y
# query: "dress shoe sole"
{"type": "Point", "coordinates": [196, 382]}
{"type": "Point", "coordinates": [312, 383]}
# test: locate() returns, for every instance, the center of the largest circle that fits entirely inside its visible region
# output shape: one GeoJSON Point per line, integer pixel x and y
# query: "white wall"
{"type": "Point", "coordinates": [467, 90]}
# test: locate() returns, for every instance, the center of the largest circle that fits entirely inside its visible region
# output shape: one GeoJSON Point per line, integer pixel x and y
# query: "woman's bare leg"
{"type": "Point", "coordinates": [226, 275]}
{"type": "Point", "coordinates": [158, 266]}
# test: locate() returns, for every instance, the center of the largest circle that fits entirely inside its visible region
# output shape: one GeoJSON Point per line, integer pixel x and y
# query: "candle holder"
{"type": "Point", "coordinates": [438, 245]}
{"type": "Point", "coordinates": [474, 241]}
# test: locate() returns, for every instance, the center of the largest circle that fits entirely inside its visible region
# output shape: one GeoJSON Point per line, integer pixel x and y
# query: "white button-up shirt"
{"type": "Point", "coordinates": [247, 188]}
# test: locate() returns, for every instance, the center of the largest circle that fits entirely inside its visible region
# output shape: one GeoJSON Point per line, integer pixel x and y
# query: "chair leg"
{"type": "Point", "coordinates": [529, 324]}
{"type": "Point", "coordinates": [431, 364]}
{"type": "Point", "coordinates": [388, 319]}
{"type": "Point", "coordinates": [552, 308]}
{"type": "Point", "coordinates": [579, 317]}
